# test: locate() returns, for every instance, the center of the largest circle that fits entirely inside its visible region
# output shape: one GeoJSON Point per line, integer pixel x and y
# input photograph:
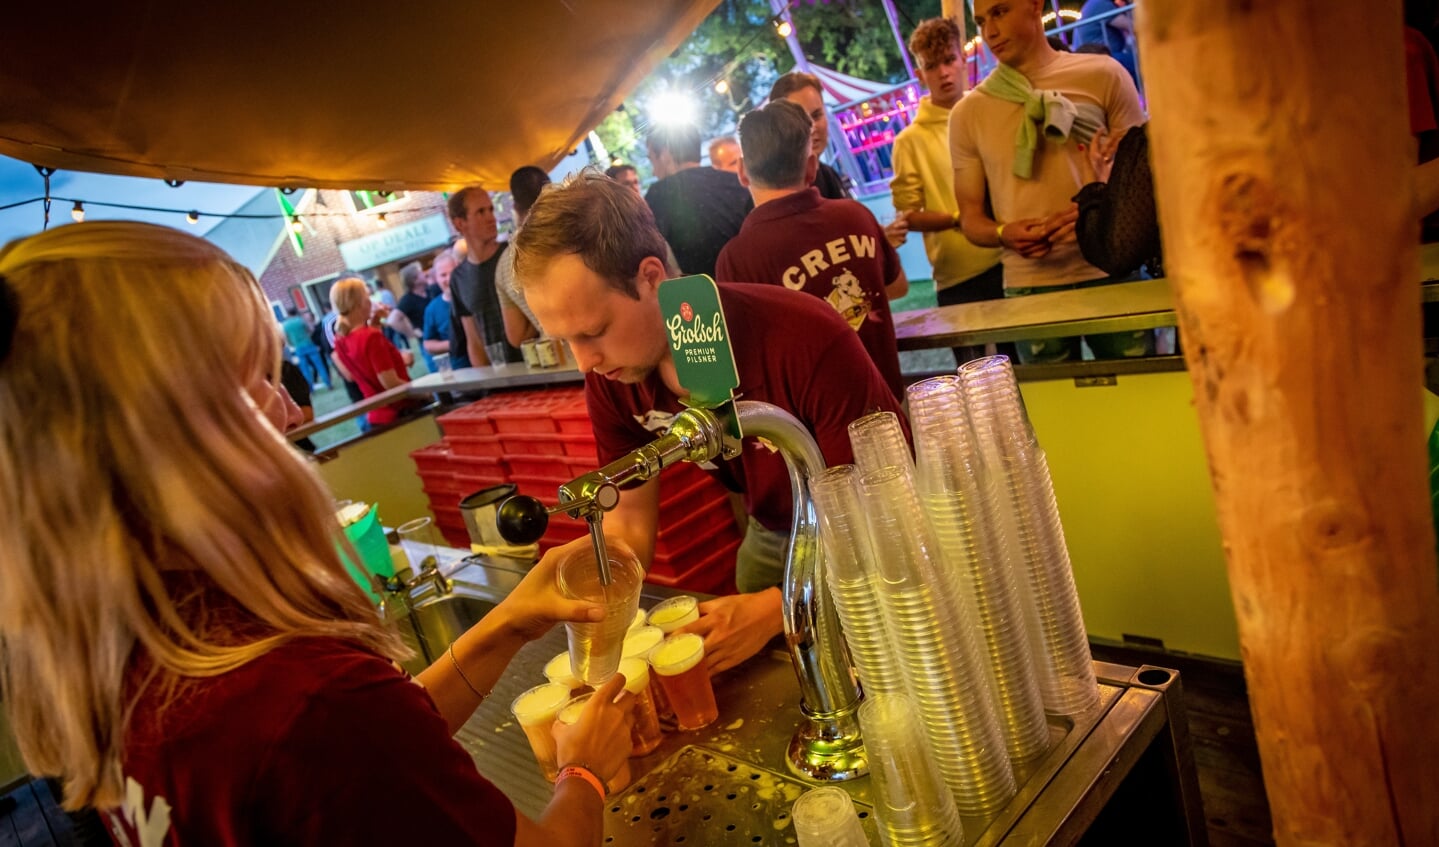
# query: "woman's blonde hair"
{"type": "Point", "coordinates": [346, 295]}
{"type": "Point", "coordinates": [133, 460]}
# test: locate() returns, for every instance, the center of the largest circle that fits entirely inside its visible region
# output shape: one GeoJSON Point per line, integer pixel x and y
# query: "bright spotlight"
{"type": "Point", "coordinates": [672, 107]}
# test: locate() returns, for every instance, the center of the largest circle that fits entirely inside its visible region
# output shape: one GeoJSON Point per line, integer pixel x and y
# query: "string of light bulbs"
{"type": "Point", "coordinates": [193, 216]}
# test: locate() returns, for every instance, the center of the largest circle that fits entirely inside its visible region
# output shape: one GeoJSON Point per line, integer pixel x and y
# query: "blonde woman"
{"type": "Point", "coordinates": [179, 642]}
{"type": "Point", "coordinates": [365, 356]}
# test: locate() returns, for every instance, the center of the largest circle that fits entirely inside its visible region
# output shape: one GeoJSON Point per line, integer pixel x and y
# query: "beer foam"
{"type": "Point", "coordinates": [561, 671]}
{"type": "Point", "coordinates": [636, 672]}
{"type": "Point", "coordinates": [641, 641]}
{"type": "Point", "coordinates": [570, 714]}
{"type": "Point", "coordinates": [672, 610]}
{"type": "Point", "coordinates": [678, 654]}
{"type": "Point", "coordinates": [540, 703]}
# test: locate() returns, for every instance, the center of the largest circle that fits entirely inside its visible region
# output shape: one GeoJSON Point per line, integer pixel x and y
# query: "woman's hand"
{"type": "Point", "coordinates": [600, 739]}
{"type": "Point", "coordinates": [536, 605]}
{"type": "Point", "coordinates": [737, 627]}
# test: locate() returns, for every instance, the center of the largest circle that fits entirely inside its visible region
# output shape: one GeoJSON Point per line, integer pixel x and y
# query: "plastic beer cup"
{"type": "Point", "coordinates": [679, 663]}
{"type": "Point", "coordinates": [674, 613]}
{"type": "Point", "coordinates": [638, 645]}
{"type": "Point", "coordinates": [570, 714]}
{"type": "Point", "coordinates": [596, 648]}
{"type": "Point", "coordinates": [558, 670]}
{"type": "Point", "coordinates": [535, 711]}
{"type": "Point", "coordinates": [645, 734]}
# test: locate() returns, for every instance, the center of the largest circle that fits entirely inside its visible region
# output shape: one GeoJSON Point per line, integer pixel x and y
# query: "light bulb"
{"type": "Point", "coordinates": [193, 217]}
{"type": "Point", "coordinates": [722, 87]}
{"type": "Point", "coordinates": [380, 220]}
{"type": "Point", "coordinates": [295, 225]}
{"type": "Point", "coordinates": [784, 28]}
{"type": "Point", "coordinates": [78, 212]}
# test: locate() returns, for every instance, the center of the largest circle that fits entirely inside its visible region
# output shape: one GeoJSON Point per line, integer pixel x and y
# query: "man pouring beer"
{"type": "Point", "coordinates": [591, 261]}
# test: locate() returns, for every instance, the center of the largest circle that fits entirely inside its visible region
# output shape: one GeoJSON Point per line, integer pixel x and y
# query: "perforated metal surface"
{"type": "Point", "coordinates": [702, 797]}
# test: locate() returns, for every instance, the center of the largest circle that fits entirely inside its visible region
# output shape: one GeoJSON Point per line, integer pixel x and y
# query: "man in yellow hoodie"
{"type": "Point", "coordinates": [923, 183]}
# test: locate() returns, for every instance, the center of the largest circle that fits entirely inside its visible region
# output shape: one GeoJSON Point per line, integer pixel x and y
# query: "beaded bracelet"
{"type": "Point", "coordinates": [585, 774]}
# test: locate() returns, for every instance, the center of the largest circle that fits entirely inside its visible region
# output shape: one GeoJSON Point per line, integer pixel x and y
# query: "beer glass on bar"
{"type": "Point", "coordinates": [535, 711]}
{"type": "Point", "coordinates": [679, 663]}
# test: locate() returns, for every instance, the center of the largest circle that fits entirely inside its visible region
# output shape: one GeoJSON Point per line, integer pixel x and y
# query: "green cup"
{"type": "Point", "coordinates": [367, 536]}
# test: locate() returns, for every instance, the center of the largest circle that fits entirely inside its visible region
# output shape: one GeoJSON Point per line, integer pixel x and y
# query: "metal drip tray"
{"type": "Point", "coordinates": [700, 797]}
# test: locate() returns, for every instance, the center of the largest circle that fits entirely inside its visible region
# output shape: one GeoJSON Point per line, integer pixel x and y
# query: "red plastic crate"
{"type": "Point", "coordinates": [679, 528]}
{"type": "Point", "coordinates": [580, 445]}
{"type": "Point", "coordinates": [432, 459]}
{"type": "Point", "coordinates": [544, 489]}
{"type": "Point", "coordinates": [523, 418]}
{"type": "Point", "coordinates": [533, 444]}
{"type": "Point", "coordinates": [548, 467]}
{"type": "Point", "coordinates": [713, 574]}
{"type": "Point", "coordinates": [574, 423]}
{"type": "Point", "coordinates": [468, 421]}
{"type": "Point", "coordinates": [476, 446]}
{"type": "Point", "coordinates": [441, 484]}
{"type": "Point", "coordinates": [678, 556]}
{"type": "Point", "coordinates": [678, 501]}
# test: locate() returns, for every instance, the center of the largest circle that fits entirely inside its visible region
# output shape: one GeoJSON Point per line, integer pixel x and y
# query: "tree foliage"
{"type": "Point", "coordinates": [737, 43]}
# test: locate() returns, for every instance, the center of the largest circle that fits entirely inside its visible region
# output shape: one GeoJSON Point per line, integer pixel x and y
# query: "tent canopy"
{"type": "Point", "coordinates": [366, 94]}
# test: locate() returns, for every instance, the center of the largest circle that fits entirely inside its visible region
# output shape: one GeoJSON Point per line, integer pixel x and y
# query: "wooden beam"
{"type": "Point", "coordinates": [1280, 145]}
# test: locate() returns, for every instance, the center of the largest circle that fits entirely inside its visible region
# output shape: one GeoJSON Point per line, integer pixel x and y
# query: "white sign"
{"type": "Point", "coordinates": [387, 245]}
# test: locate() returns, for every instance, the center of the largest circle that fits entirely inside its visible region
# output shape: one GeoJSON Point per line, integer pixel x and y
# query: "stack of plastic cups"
{"type": "Point", "coordinates": [910, 799]}
{"type": "Point", "coordinates": [851, 577]}
{"type": "Point", "coordinates": [1030, 516]}
{"type": "Point", "coordinates": [958, 495]}
{"type": "Point", "coordinates": [878, 441]}
{"type": "Point", "coordinates": [936, 648]}
{"type": "Point", "coordinates": [825, 817]}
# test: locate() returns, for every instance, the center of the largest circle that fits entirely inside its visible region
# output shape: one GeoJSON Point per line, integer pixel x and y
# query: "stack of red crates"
{"type": "Point", "coordinates": [539, 440]}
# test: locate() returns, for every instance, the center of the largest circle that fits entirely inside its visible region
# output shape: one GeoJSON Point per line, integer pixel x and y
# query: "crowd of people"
{"type": "Point", "coordinates": [183, 646]}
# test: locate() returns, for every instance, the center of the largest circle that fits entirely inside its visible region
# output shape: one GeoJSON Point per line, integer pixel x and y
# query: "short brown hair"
{"type": "Point", "coordinates": [775, 143]}
{"type": "Point", "coordinates": [456, 204]}
{"type": "Point", "coordinates": [589, 215]}
{"type": "Point", "coordinates": [935, 38]}
{"type": "Point", "coordinates": [792, 82]}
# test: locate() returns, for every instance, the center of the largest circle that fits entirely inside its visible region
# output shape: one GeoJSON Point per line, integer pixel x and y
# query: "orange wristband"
{"type": "Point", "coordinates": [583, 773]}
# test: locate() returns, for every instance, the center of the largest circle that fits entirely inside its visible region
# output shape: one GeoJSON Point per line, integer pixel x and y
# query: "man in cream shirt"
{"type": "Point", "coordinates": [1028, 170]}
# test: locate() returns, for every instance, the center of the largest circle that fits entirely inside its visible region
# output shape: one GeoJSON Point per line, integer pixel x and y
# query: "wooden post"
{"type": "Point", "coordinates": [954, 10]}
{"type": "Point", "coordinates": [1283, 190]}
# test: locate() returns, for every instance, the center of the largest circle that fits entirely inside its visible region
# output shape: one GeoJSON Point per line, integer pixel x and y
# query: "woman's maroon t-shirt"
{"type": "Point", "coordinates": [366, 353]}
{"type": "Point", "coordinates": [317, 742]}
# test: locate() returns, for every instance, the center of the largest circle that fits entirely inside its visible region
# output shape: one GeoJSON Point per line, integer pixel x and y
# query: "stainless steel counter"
{"type": "Point", "coordinates": [736, 788]}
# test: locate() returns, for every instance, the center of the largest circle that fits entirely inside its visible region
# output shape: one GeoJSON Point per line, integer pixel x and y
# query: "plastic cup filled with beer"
{"type": "Point", "coordinates": [645, 734]}
{"type": "Point", "coordinates": [674, 613]}
{"type": "Point", "coordinates": [570, 714]}
{"type": "Point", "coordinates": [535, 711]}
{"type": "Point", "coordinates": [596, 648]}
{"type": "Point", "coordinates": [558, 671]}
{"type": "Point", "coordinates": [638, 644]}
{"type": "Point", "coordinates": [640, 617]}
{"type": "Point", "coordinates": [679, 663]}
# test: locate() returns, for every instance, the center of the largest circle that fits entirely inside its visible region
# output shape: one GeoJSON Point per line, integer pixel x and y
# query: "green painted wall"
{"type": "Point", "coordinates": [1132, 482]}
